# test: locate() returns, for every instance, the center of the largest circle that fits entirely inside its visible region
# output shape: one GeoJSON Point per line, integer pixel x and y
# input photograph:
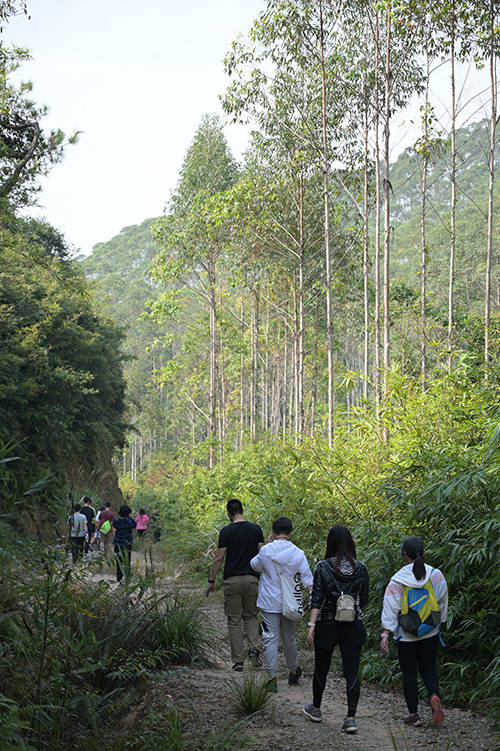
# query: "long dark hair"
{"type": "Point", "coordinates": [339, 544]}
{"type": "Point", "coordinates": [414, 549]}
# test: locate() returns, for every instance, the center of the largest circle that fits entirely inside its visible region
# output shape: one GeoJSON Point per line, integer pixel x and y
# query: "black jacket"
{"type": "Point", "coordinates": [329, 583]}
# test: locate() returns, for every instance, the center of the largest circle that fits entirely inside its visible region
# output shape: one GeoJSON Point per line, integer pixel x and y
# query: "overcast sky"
{"type": "Point", "coordinates": [135, 76]}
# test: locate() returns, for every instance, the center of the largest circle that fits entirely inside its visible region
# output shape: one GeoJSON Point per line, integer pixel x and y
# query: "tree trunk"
{"type": "Point", "coordinates": [366, 354]}
{"type": "Point", "coordinates": [328, 269]}
{"type": "Point", "coordinates": [451, 276]}
{"type": "Point", "coordinates": [423, 239]}
{"type": "Point", "coordinates": [301, 357]}
{"type": "Point", "coordinates": [377, 223]}
{"type": "Point", "coordinates": [255, 362]}
{"type": "Point", "coordinates": [493, 121]}
{"type": "Point", "coordinates": [387, 196]}
{"type": "Point", "coordinates": [285, 383]}
{"type": "Point", "coordinates": [314, 387]}
{"type": "Point", "coordinates": [242, 375]}
{"type": "Point", "coordinates": [212, 428]}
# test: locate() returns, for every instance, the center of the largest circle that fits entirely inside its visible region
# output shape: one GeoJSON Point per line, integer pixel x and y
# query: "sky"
{"type": "Point", "coordinates": [136, 77]}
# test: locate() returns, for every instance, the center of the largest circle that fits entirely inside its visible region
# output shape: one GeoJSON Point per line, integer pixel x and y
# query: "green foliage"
{"type": "Point", "coordinates": [160, 729]}
{"type": "Point", "coordinates": [61, 382]}
{"type": "Point", "coordinates": [72, 653]}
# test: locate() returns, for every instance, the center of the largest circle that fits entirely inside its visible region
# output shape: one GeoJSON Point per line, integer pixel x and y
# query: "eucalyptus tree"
{"type": "Point", "coordinates": [191, 235]}
{"type": "Point", "coordinates": [289, 79]}
{"type": "Point", "coordinates": [490, 47]}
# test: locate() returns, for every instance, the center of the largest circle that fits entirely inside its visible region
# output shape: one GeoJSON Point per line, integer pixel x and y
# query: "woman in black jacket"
{"type": "Point", "coordinates": [340, 589]}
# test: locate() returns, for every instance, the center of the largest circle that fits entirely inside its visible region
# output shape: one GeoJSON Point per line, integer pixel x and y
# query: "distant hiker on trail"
{"type": "Point", "coordinates": [142, 521]}
{"type": "Point", "coordinates": [77, 528]}
{"type": "Point", "coordinates": [280, 557]}
{"type": "Point", "coordinates": [89, 514]}
{"type": "Point", "coordinates": [340, 589]}
{"type": "Point", "coordinates": [239, 542]}
{"type": "Point", "coordinates": [416, 629]}
{"type": "Point", "coordinates": [106, 519]}
{"type": "Point", "coordinates": [123, 542]}
{"type": "Point", "coordinates": [156, 524]}
{"type": "Point", "coordinates": [97, 533]}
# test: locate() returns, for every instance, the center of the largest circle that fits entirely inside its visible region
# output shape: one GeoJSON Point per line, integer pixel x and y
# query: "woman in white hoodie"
{"type": "Point", "coordinates": [415, 652]}
{"type": "Point", "coordinates": [291, 561]}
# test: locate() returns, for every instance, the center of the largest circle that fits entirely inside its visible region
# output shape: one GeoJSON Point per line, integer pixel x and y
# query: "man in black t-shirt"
{"type": "Point", "coordinates": [239, 542]}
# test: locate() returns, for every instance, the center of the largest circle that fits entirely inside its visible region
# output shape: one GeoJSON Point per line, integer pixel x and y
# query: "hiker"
{"type": "Point", "coordinates": [280, 555]}
{"type": "Point", "coordinates": [142, 521]}
{"type": "Point", "coordinates": [77, 529]}
{"type": "Point", "coordinates": [123, 542]}
{"type": "Point", "coordinates": [106, 519]}
{"type": "Point", "coordinates": [97, 534]}
{"type": "Point", "coordinates": [239, 542]}
{"type": "Point", "coordinates": [156, 519]}
{"type": "Point", "coordinates": [340, 589]}
{"type": "Point", "coordinates": [417, 583]}
{"type": "Point", "coordinates": [89, 514]}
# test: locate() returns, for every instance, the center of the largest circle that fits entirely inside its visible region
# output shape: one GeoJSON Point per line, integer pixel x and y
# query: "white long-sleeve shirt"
{"type": "Point", "coordinates": [394, 594]}
{"type": "Point", "coordinates": [291, 561]}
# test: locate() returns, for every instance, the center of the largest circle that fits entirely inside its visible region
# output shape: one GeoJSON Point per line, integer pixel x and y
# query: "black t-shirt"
{"type": "Point", "coordinates": [241, 540]}
{"type": "Point", "coordinates": [88, 513]}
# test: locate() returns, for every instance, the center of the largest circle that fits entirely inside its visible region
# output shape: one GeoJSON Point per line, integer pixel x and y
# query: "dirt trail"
{"type": "Point", "coordinates": [203, 696]}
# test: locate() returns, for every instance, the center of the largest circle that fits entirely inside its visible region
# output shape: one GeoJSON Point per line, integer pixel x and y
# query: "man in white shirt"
{"type": "Point", "coordinates": [77, 528]}
{"type": "Point", "coordinates": [291, 561]}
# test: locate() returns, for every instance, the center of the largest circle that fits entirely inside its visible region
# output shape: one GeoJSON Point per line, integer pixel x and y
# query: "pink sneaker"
{"type": "Point", "coordinates": [437, 710]}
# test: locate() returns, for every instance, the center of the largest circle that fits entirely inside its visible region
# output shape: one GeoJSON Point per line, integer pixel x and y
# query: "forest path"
{"type": "Point", "coordinates": [203, 696]}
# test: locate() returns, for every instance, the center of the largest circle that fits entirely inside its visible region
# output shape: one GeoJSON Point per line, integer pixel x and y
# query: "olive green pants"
{"type": "Point", "coordinates": [240, 606]}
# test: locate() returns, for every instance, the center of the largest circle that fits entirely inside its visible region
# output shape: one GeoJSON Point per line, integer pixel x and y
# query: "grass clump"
{"type": "Point", "coordinates": [160, 730]}
{"type": "Point", "coordinates": [251, 694]}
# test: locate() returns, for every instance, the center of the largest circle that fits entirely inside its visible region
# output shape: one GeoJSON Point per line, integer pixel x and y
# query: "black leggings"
{"type": "Point", "coordinates": [418, 655]}
{"type": "Point", "coordinates": [350, 637]}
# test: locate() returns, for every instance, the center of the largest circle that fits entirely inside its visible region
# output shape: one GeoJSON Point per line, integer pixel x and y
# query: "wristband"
{"type": "Point", "coordinates": [311, 624]}
{"type": "Point", "coordinates": [211, 581]}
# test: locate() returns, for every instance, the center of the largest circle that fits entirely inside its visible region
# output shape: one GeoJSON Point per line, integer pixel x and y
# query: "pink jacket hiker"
{"type": "Point", "coordinates": [142, 521]}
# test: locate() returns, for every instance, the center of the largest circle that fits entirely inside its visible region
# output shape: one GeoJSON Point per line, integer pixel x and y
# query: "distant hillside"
{"type": "Point", "coordinates": [120, 267]}
{"type": "Point", "coordinates": [472, 177]}
{"type": "Point", "coordinates": [120, 270]}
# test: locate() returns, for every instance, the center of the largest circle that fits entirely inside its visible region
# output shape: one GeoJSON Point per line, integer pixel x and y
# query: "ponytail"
{"type": "Point", "coordinates": [414, 549]}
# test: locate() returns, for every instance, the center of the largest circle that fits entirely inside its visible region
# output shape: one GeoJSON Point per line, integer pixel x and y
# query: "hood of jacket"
{"type": "Point", "coordinates": [342, 577]}
{"type": "Point", "coordinates": [285, 554]}
{"type": "Point", "coordinates": [406, 577]}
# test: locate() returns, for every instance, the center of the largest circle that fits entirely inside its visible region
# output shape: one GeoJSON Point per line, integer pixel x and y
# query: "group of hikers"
{"type": "Point", "coordinates": [103, 529]}
{"type": "Point", "coordinates": [257, 577]}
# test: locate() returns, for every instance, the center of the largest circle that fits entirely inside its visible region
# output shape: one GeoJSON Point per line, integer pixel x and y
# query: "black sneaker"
{"type": "Point", "coordinates": [254, 658]}
{"type": "Point", "coordinates": [238, 666]}
{"type": "Point", "coordinates": [413, 720]}
{"type": "Point", "coordinates": [349, 725]}
{"type": "Point", "coordinates": [293, 678]}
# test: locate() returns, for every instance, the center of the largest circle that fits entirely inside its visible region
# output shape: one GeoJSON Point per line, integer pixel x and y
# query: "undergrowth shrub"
{"type": "Point", "coordinates": [72, 653]}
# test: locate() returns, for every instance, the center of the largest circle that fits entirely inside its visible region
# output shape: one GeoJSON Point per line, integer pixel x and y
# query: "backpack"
{"type": "Point", "coordinates": [344, 604]}
{"type": "Point", "coordinates": [105, 527]}
{"type": "Point", "coordinates": [420, 611]}
{"type": "Point", "coordinates": [292, 606]}
{"type": "Point", "coordinates": [346, 608]}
